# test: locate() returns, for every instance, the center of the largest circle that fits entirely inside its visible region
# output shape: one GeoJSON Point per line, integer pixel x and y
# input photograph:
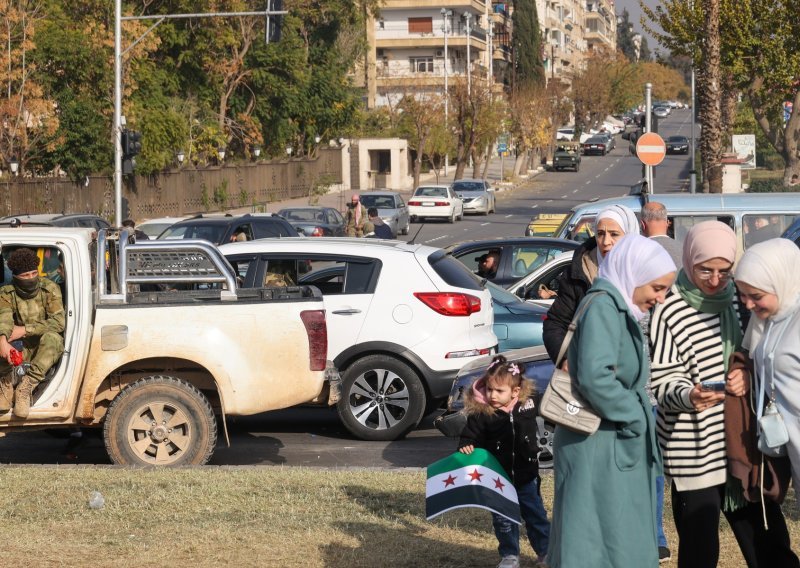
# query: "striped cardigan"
{"type": "Point", "coordinates": [686, 349]}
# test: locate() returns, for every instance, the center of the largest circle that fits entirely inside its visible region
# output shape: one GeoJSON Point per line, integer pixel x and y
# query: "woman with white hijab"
{"type": "Point", "coordinates": [604, 512]}
{"type": "Point", "coordinates": [611, 224]}
{"type": "Point", "coordinates": [768, 278]}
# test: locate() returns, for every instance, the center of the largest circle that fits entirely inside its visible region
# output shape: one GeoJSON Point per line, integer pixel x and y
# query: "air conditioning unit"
{"type": "Point", "coordinates": [439, 53]}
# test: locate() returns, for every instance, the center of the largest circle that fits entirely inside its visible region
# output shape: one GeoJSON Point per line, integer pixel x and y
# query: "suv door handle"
{"type": "Point", "coordinates": [346, 312]}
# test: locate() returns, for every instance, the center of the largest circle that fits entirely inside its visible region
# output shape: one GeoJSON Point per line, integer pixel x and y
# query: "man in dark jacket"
{"type": "Point", "coordinates": [381, 229]}
{"type": "Point", "coordinates": [572, 287]}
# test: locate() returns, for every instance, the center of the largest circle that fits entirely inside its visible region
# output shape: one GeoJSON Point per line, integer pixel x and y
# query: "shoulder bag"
{"type": "Point", "coordinates": [562, 403]}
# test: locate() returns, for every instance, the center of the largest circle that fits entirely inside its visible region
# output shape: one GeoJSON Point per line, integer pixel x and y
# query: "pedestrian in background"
{"type": "Point", "coordinates": [138, 235]}
{"type": "Point", "coordinates": [501, 418]}
{"type": "Point", "coordinates": [354, 218]}
{"type": "Point", "coordinates": [380, 229]}
{"type": "Point", "coordinates": [610, 226]}
{"type": "Point", "coordinates": [604, 508]}
{"type": "Point", "coordinates": [655, 225]}
{"type": "Point", "coordinates": [694, 335]}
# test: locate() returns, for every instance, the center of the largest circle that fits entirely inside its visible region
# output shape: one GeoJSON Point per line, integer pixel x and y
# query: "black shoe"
{"type": "Point", "coordinates": [664, 555]}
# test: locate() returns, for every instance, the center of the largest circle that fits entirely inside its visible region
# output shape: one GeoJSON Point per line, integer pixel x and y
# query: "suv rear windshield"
{"type": "Point", "coordinates": [208, 231]}
{"type": "Point", "coordinates": [469, 186]}
{"type": "Point", "coordinates": [453, 272]}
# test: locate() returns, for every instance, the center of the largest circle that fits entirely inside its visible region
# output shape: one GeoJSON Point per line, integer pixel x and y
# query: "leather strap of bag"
{"type": "Point", "coordinates": [573, 326]}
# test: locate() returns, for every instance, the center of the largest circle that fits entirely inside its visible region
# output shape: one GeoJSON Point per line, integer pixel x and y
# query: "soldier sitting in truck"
{"type": "Point", "coordinates": [32, 311]}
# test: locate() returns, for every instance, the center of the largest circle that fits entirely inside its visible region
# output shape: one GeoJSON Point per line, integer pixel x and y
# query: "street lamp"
{"type": "Point", "coordinates": [180, 156]}
{"type": "Point", "coordinates": [468, 18]}
{"type": "Point", "coordinates": [14, 165]}
{"type": "Point", "coordinates": [221, 154]}
{"type": "Point", "coordinates": [256, 151]}
{"type": "Point", "coordinates": [446, 15]}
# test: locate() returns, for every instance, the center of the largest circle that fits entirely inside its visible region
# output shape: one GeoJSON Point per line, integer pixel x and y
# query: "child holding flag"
{"type": "Point", "coordinates": [501, 418]}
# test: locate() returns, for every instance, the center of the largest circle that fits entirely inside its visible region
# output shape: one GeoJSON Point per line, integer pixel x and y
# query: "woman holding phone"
{"type": "Point", "coordinates": [693, 335]}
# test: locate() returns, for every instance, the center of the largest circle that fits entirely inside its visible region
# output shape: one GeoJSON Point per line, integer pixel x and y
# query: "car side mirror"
{"type": "Point", "coordinates": [520, 292]}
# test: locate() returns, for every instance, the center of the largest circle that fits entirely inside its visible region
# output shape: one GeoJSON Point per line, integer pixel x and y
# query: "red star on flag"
{"type": "Point", "coordinates": [475, 476]}
{"type": "Point", "coordinates": [449, 481]}
{"type": "Point", "coordinates": [499, 484]}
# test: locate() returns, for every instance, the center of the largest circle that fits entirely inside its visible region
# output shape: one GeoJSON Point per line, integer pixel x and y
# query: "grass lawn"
{"type": "Point", "coordinates": [250, 517]}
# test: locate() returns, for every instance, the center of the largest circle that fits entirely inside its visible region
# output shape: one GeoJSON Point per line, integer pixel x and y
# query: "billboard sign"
{"type": "Point", "coordinates": [745, 147]}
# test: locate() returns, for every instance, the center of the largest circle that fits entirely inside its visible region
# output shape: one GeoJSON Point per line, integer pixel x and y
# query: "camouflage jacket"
{"type": "Point", "coordinates": [40, 314]}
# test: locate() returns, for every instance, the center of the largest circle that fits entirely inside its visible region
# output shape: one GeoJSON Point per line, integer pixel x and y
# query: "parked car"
{"type": "Point", "coordinates": [85, 220]}
{"type": "Point", "coordinates": [536, 366]}
{"type": "Point", "coordinates": [610, 142]}
{"type": "Point", "coordinates": [221, 229]}
{"type": "Point", "coordinates": [315, 221]}
{"type": "Point", "coordinates": [154, 227]}
{"type": "Point", "coordinates": [596, 145]}
{"type": "Point", "coordinates": [435, 201]}
{"type": "Point", "coordinates": [661, 112]}
{"type": "Point", "coordinates": [516, 323]}
{"type": "Point", "coordinates": [391, 208]}
{"type": "Point", "coordinates": [540, 287]}
{"type": "Point", "coordinates": [402, 320]}
{"type": "Point", "coordinates": [677, 145]}
{"type": "Point", "coordinates": [544, 224]}
{"type": "Point", "coordinates": [518, 255]}
{"type": "Point", "coordinates": [567, 156]}
{"type": "Point", "coordinates": [477, 194]}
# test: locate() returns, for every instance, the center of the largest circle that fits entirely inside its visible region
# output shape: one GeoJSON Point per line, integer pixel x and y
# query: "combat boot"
{"type": "Point", "coordinates": [6, 392]}
{"type": "Point", "coordinates": [22, 404]}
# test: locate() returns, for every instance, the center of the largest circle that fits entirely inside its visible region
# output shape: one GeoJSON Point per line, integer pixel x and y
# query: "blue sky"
{"type": "Point", "coordinates": [635, 12]}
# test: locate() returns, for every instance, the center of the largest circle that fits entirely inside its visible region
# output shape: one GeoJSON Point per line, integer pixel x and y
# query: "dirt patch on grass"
{"type": "Point", "coordinates": [249, 517]}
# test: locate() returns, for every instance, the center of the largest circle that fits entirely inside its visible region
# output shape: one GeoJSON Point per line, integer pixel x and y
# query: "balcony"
{"type": "Point", "coordinates": [457, 6]}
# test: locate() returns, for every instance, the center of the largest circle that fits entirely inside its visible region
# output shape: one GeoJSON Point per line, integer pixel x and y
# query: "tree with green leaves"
{"type": "Point", "coordinates": [759, 43]}
{"type": "Point", "coordinates": [526, 46]}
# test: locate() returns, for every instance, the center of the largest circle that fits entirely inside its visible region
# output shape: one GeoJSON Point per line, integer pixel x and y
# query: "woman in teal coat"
{"type": "Point", "coordinates": [604, 507]}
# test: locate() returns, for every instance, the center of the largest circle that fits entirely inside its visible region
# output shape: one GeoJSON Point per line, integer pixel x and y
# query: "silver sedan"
{"type": "Point", "coordinates": [478, 195]}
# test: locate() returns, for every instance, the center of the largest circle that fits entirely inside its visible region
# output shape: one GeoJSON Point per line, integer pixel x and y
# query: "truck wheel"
{"type": "Point", "coordinates": [382, 398]}
{"type": "Point", "coordinates": [160, 421]}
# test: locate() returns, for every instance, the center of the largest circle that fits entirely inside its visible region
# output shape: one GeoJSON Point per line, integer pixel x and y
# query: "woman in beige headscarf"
{"type": "Point", "coordinates": [693, 335]}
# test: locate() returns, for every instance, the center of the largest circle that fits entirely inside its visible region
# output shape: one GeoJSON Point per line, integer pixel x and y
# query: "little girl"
{"type": "Point", "coordinates": [501, 418]}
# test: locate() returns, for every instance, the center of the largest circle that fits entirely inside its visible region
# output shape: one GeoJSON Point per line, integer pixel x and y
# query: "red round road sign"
{"type": "Point", "coordinates": [650, 149]}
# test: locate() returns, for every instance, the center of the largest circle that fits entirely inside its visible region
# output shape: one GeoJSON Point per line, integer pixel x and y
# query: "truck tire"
{"type": "Point", "coordinates": [160, 421]}
{"type": "Point", "coordinates": [382, 398]}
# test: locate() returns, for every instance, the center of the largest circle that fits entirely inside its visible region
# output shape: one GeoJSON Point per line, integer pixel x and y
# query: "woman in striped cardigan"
{"type": "Point", "coordinates": [693, 335]}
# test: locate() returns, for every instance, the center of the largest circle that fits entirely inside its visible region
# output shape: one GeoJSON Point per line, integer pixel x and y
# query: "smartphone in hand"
{"type": "Point", "coordinates": [713, 385]}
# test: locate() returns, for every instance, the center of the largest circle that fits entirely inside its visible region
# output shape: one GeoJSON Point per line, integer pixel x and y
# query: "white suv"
{"type": "Point", "coordinates": [402, 320]}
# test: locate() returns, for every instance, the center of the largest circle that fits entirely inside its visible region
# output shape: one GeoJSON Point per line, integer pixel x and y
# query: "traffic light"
{"type": "Point", "coordinates": [274, 23]}
{"type": "Point", "coordinates": [131, 143]}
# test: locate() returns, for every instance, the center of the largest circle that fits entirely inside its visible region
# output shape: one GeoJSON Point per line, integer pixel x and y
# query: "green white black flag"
{"type": "Point", "coordinates": [474, 480]}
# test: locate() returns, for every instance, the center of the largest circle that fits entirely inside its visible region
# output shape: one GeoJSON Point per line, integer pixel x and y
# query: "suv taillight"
{"type": "Point", "coordinates": [450, 303]}
{"type": "Point", "coordinates": [317, 331]}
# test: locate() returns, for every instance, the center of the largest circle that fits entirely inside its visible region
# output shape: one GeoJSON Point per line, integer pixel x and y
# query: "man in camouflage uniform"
{"type": "Point", "coordinates": [355, 219]}
{"type": "Point", "coordinates": [31, 310]}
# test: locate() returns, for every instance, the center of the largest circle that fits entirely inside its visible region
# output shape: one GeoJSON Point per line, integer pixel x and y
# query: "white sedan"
{"type": "Point", "coordinates": [435, 201]}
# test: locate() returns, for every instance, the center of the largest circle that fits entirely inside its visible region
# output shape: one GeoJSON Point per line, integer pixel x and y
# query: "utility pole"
{"type": "Point", "coordinates": [446, 14]}
{"type": "Point", "coordinates": [274, 8]}
{"type": "Point", "coordinates": [468, 17]}
{"type": "Point", "coordinates": [648, 109]}
{"type": "Point", "coordinates": [693, 171]}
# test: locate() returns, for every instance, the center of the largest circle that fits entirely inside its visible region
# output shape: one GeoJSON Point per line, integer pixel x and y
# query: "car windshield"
{"type": "Point", "coordinates": [679, 139]}
{"type": "Point", "coordinates": [430, 192]}
{"type": "Point", "coordinates": [210, 232]}
{"type": "Point", "coordinates": [316, 215]}
{"type": "Point", "coordinates": [595, 140]}
{"type": "Point", "coordinates": [378, 201]}
{"type": "Point", "coordinates": [152, 230]}
{"type": "Point", "coordinates": [468, 186]}
{"type": "Point", "coordinates": [502, 296]}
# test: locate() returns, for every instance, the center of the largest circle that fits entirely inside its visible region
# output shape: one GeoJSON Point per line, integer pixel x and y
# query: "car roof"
{"type": "Point", "coordinates": [701, 202]}
{"type": "Point", "coordinates": [500, 241]}
{"type": "Point", "coordinates": [472, 180]}
{"type": "Point", "coordinates": [159, 220]}
{"type": "Point", "coordinates": [226, 219]}
{"type": "Point", "coordinates": [380, 192]}
{"type": "Point", "coordinates": [326, 245]}
{"type": "Point", "coordinates": [304, 208]}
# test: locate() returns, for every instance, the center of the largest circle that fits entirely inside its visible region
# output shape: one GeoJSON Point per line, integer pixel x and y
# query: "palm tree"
{"type": "Point", "coordinates": [709, 97]}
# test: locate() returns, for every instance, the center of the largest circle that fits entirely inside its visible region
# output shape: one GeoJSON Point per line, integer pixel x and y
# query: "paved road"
{"type": "Point", "coordinates": [313, 436]}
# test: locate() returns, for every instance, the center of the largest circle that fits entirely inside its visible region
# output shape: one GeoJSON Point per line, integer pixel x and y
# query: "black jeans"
{"type": "Point", "coordinates": [696, 515]}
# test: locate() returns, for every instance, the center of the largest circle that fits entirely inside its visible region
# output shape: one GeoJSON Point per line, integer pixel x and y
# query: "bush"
{"type": "Point", "coordinates": [769, 186]}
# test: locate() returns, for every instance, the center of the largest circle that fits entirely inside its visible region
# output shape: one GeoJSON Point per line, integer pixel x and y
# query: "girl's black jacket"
{"type": "Point", "coordinates": [512, 439]}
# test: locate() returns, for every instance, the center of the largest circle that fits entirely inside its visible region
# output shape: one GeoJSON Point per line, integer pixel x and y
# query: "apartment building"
{"type": "Point", "coordinates": [601, 25]}
{"type": "Point", "coordinates": [417, 45]}
{"type": "Point", "coordinates": [563, 43]}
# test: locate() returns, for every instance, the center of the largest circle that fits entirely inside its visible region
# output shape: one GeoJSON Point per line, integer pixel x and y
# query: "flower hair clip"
{"type": "Point", "coordinates": [513, 368]}
{"type": "Point", "coordinates": [493, 365]}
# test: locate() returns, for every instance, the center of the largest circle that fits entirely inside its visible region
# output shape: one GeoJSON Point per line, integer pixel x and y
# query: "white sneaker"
{"type": "Point", "coordinates": [509, 562]}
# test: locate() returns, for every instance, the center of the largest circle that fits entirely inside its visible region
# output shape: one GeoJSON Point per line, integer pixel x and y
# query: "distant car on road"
{"type": "Point", "coordinates": [677, 145]}
{"type": "Point", "coordinates": [154, 227]}
{"type": "Point", "coordinates": [315, 221]}
{"type": "Point", "coordinates": [391, 208]}
{"type": "Point", "coordinates": [221, 229]}
{"type": "Point", "coordinates": [438, 201]}
{"type": "Point", "coordinates": [518, 255]}
{"type": "Point", "coordinates": [596, 145]}
{"type": "Point", "coordinates": [567, 156]}
{"type": "Point", "coordinates": [544, 224]}
{"type": "Point", "coordinates": [661, 112]}
{"type": "Point", "coordinates": [477, 194]}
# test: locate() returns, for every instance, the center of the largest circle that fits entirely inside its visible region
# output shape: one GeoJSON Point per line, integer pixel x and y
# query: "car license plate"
{"type": "Point", "coordinates": [428, 204]}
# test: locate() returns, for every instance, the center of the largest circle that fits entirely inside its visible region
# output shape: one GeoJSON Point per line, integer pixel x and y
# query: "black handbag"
{"type": "Point", "coordinates": [451, 424]}
{"type": "Point", "coordinates": [562, 402]}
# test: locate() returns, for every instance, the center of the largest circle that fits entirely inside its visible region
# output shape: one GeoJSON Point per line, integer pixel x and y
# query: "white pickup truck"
{"type": "Point", "coordinates": [160, 345]}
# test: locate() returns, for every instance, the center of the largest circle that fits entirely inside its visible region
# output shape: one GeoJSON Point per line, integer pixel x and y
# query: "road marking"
{"type": "Point", "coordinates": [549, 200]}
{"type": "Point", "coordinates": [483, 225]}
{"type": "Point", "coordinates": [564, 196]}
{"type": "Point", "coordinates": [437, 238]}
{"type": "Point", "coordinates": [534, 206]}
{"type": "Point", "coordinates": [574, 191]}
{"type": "Point", "coordinates": [597, 176]}
{"type": "Point", "coordinates": [507, 216]}
{"type": "Point", "coordinates": [588, 182]}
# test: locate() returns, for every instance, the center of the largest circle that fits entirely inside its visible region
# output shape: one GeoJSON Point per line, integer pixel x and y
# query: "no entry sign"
{"type": "Point", "coordinates": [650, 149]}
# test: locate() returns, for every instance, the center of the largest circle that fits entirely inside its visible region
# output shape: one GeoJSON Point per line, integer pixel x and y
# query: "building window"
{"type": "Point", "coordinates": [420, 25]}
{"type": "Point", "coordinates": [421, 64]}
{"type": "Point", "coordinates": [381, 24]}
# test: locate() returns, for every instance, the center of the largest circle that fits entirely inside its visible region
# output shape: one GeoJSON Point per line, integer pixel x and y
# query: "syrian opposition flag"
{"type": "Point", "coordinates": [474, 480]}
